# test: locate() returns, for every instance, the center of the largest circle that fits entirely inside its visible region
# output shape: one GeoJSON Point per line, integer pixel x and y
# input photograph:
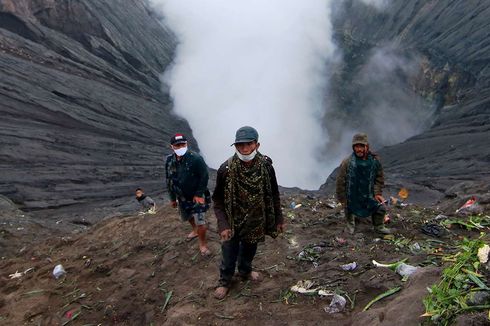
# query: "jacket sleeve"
{"type": "Point", "coordinates": [203, 177]}
{"type": "Point", "coordinates": [171, 194]}
{"type": "Point", "coordinates": [219, 199]}
{"type": "Point", "coordinates": [379, 182]}
{"type": "Point", "coordinates": [341, 182]}
{"type": "Point", "coordinates": [275, 196]}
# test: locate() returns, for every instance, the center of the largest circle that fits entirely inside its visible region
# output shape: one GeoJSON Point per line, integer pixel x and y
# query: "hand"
{"type": "Point", "coordinates": [173, 203]}
{"type": "Point", "coordinates": [198, 200]}
{"type": "Point", "coordinates": [225, 235]}
{"type": "Point", "coordinates": [379, 198]}
{"type": "Point", "coordinates": [281, 227]}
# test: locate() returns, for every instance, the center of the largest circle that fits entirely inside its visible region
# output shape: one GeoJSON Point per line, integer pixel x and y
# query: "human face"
{"type": "Point", "coordinates": [247, 148]}
{"type": "Point", "coordinates": [139, 193]}
{"type": "Point", "coordinates": [360, 150]}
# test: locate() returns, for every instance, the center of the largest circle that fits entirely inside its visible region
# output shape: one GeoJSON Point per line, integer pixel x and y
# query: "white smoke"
{"type": "Point", "coordinates": [257, 63]}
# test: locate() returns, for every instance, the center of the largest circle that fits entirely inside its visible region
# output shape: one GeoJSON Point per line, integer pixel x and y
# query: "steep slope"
{"type": "Point", "coordinates": [83, 114]}
{"type": "Point", "coordinates": [451, 40]}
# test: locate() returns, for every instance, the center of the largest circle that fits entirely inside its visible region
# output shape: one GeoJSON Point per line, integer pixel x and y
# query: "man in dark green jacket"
{"type": "Point", "coordinates": [187, 182]}
{"type": "Point", "coordinates": [360, 185]}
{"type": "Point", "coordinates": [247, 207]}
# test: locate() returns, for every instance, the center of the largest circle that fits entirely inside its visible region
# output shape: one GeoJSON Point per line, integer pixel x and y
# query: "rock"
{"type": "Point", "coordinates": [454, 76]}
{"type": "Point", "coordinates": [6, 205]}
{"type": "Point", "coordinates": [84, 115]}
{"type": "Point", "coordinates": [478, 298]}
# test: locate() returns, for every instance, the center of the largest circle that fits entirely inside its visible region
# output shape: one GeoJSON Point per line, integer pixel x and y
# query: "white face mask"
{"type": "Point", "coordinates": [246, 158]}
{"type": "Point", "coordinates": [181, 151]}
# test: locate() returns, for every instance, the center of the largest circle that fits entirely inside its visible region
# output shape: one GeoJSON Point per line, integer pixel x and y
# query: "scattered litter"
{"type": "Point", "coordinates": [297, 206]}
{"type": "Point", "coordinates": [15, 275]}
{"type": "Point", "coordinates": [312, 252]}
{"type": "Point", "coordinates": [59, 222]}
{"type": "Point", "coordinates": [440, 217]}
{"type": "Point", "coordinates": [432, 229]}
{"type": "Point", "coordinates": [304, 287]}
{"type": "Point", "coordinates": [292, 205]}
{"type": "Point", "coordinates": [403, 193]}
{"type": "Point", "coordinates": [415, 247]}
{"type": "Point", "coordinates": [405, 270]}
{"type": "Point", "coordinates": [336, 305]}
{"type": "Point", "coordinates": [483, 253]}
{"type": "Point", "coordinates": [349, 267]}
{"type": "Point", "coordinates": [324, 293]}
{"type": "Point", "coordinates": [58, 271]}
{"type": "Point", "coordinates": [470, 207]}
{"type": "Point", "coordinates": [382, 296]}
{"type": "Point", "coordinates": [399, 267]}
{"type": "Point", "coordinates": [28, 270]}
{"type": "Point", "coordinates": [20, 229]}
{"type": "Point", "coordinates": [340, 241]}
{"type": "Point", "coordinates": [331, 205]}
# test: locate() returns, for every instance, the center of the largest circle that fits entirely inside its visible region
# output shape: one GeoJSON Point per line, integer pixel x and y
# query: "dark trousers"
{"type": "Point", "coordinates": [232, 251]}
{"type": "Point", "coordinates": [377, 216]}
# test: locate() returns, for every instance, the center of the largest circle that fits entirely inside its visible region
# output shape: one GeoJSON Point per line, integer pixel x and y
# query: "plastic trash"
{"type": "Point", "coordinates": [15, 275]}
{"type": "Point", "coordinates": [336, 305]}
{"type": "Point", "coordinates": [405, 270]}
{"type": "Point", "coordinates": [292, 205]}
{"type": "Point", "coordinates": [440, 217]}
{"type": "Point", "coordinates": [304, 287]}
{"type": "Point", "coordinates": [483, 254]}
{"type": "Point", "coordinates": [432, 229]}
{"type": "Point", "coordinates": [349, 267]}
{"type": "Point", "coordinates": [470, 207]}
{"type": "Point", "coordinates": [415, 247]}
{"type": "Point", "coordinates": [403, 193]}
{"type": "Point", "coordinates": [58, 271]}
{"type": "Point", "coordinates": [297, 206]}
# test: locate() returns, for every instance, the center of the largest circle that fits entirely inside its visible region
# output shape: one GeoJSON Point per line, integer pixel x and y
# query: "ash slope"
{"type": "Point", "coordinates": [84, 117]}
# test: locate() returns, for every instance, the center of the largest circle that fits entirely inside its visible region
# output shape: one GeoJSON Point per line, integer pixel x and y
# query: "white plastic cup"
{"type": "Point", "coordinates": [58, 271]}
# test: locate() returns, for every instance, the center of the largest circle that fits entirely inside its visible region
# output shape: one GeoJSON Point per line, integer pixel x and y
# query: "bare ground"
{"type": "Point", "coordinates": [121, 271]}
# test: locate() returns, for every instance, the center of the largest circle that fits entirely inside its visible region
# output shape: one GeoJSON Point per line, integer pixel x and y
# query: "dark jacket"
{"type": "Point", "coordinates": [342, 177]}
{"type": "Point", "coordinates": [219, 195]}
{"type": "Point", "coordinates": [146, 202]}
{"type": "Point", "coordinates": [187, 177]}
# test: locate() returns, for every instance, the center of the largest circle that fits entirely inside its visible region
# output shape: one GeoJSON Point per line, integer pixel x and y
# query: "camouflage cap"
{"type": "Point", "coordinates": [360, 138]}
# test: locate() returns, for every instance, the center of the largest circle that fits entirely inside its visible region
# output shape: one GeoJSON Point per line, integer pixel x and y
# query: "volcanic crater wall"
{"type": "Point", "coordinates": [83, 114]}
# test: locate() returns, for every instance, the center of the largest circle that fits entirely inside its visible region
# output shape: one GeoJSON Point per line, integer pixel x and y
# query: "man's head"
{"type": "Point", "coordinates": [246, 143]}
{"type": "Point", "coordinates": [139, 192]}
{"type": "Point", "coordinates": [360, 145]}
{"type": "Point", "coordinates": [179, 144]}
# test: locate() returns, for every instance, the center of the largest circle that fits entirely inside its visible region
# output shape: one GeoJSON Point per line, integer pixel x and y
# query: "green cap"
{"type": "Point", "coordinates": [360, 138]}
{"type": "Point", "coordinates": [246, 134]}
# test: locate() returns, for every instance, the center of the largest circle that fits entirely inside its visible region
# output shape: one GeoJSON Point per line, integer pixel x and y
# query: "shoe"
{"type": "Point", "coordinates": [382, 229]}
{"type": "Point", "coordinates": [220, 292]}
{"type": "Point", "coordinates": [350, 228]}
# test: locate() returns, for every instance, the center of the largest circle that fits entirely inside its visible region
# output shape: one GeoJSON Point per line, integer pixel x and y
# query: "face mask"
{"type": "Point", "coordinates": [181, 151]}
{"type": "Point", "coordinates": [246, 158]}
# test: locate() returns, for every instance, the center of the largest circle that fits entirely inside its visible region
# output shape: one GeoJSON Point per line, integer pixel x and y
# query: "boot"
{"type": "Point", "coordinates": [382, 229]}
{"type": "Point", "coordinates": [351, 223]}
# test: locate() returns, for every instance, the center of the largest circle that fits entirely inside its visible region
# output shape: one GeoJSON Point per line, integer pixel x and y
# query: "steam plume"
{"type": "Point", "coordinates": [258, 63]}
